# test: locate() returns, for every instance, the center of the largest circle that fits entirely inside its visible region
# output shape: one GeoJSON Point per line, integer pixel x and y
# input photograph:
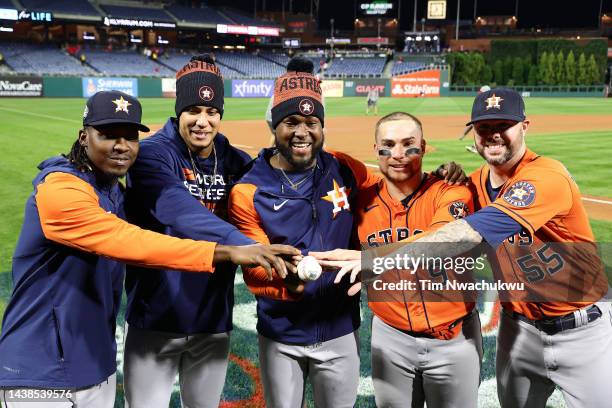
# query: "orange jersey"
{"type": "Point", "coordinates": [77, 220]}
{"type": "Point", "coordinates": [544, 199]}
{"type": "Point", "coordinates": [380, 220]}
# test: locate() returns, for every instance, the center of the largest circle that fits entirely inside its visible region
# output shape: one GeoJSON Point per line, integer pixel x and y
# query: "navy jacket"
{"type": "Point", "coordinates": [166, 194]}
{"type": "Point", "coordinates": [309, 223]}
{"type": "Point", "coordinates": [59, 325]}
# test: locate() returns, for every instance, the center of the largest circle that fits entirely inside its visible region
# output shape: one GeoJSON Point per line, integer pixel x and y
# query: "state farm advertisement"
{"type": "Point", "coordinates": [415, 84]}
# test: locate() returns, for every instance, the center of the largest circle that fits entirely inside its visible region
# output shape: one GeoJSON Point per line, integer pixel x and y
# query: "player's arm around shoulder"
{"type": "Point", "coordinates": [363, 176]}
{"type": "Point", "coordinates": [244, 216]}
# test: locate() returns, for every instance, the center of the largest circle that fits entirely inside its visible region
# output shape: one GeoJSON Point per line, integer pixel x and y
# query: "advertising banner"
{"type": "Point", "coordinates": [247, 30]}
{"type": "Point", "coordinates": [361, 87]}
{"type": "Point", "coordinates": [21, 86]}
{"type": "Point", "coordinates": [168, 87]}
{"type": "Point", "coordinates": [8, 14]}
{"type": "Point", "coordinates": [91, 85]}
{"type": "Point", "coordinates": [136, 23]}
{"type": "Point", "coordinates": [373, 40]}
{"type": "Point", "coordinates": [332, 88]}
{"type": "Point", "coordinates": [252, 88]}
{"type": "Point", "coordinates": [422, 83]}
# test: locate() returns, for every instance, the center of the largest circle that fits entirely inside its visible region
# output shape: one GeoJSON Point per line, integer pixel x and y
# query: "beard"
{"type": "Point", "coordinates": [510, 149]}
{"type": "Point", "coordinates": [299, 162]}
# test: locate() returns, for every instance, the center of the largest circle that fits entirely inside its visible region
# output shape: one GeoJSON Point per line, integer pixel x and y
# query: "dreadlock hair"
{"type": "Point", "coordinates": [78, 156]}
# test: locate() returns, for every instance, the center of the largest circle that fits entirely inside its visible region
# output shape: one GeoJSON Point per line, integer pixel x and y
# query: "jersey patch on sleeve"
{"type": "Point", "coordinates": [458, 210]}
{"type": "Point", "coordinates": [520, 194]}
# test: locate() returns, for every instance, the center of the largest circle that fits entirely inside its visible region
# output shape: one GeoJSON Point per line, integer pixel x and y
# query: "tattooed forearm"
{"type": "Point", "coordinates": [457, 231]}
{"type": "Point", "coordinates": [453, 239]}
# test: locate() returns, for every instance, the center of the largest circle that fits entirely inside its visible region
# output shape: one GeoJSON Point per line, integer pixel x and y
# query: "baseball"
{"type": "Point", "coordinates": [309, 269]}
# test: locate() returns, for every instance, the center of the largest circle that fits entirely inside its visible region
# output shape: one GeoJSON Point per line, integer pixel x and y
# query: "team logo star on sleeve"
{"type": "Point", "coordinates": [493, 102]}
{"type": "Point", "coordinates": [519, 193]}
{"type": "Point", "coordinates": [458, 210]}
{"type": "Point", "coordinates": [122, 105]}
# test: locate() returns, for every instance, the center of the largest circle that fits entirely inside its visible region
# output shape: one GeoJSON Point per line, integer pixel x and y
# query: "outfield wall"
{"type": "Point", "coordinates": [426, 83]}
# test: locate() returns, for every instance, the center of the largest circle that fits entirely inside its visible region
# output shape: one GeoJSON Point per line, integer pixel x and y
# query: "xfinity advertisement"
{"type": "Point", "coordinates": [249, 88]}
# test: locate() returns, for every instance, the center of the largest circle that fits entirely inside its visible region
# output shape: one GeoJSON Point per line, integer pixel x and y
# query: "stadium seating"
{"type": "Point", "coordinates": [248, 65]}
{"type": "Point", "coordinates": [144, 13]}
{"type": "Point", "coordinates": [177, 60]}
{"type": "Point", "coordinates": [241, 19]}
{"type": "Point", "coordinates": [60, 6]}
{"type": "Point", "coordinates": [202, 15]}
{"type": "Point", "coordinates": [39, 60]}
{"type": "Point", "coordinates": [125, 63]}
{"type": "Point", "coordinates": [404, 67]}
{"type": "Point", "coordinates": [356, 68]}
{"type": "Point", "coordinates": [278, 58]}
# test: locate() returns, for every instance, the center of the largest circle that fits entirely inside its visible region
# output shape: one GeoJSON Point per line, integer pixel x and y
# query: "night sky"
{"type": "Point", "coordinates": [531, 13]}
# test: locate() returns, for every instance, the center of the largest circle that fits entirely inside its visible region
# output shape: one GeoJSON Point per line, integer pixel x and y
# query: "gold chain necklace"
{"type": "Point", "coordinates": [197, 170]}
{"type": "Point", "coordinates": [292, 184]}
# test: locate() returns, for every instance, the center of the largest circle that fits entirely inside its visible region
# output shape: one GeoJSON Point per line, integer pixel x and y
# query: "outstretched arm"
{"type": "Point", "coordinates": [459, 232]}
{"type": "Point", "coordinates": [281, 285]}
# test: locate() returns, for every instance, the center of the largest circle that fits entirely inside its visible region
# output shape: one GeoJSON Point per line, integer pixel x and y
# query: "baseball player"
{"type": "Point", "coordinates": [181, 324]}
{"type": "Point", "coordinates": [58, 331]}
{"type": "Point", "coordinates": [372, 101]}
{"type": "Point", "coordinates": [421, 351]}
{"type": "Point", "coordinates": [300, 194]}
{"type": "Point", "coordinates": [529, 205]}
{"type": "Point", "coordinates": [298, 64]}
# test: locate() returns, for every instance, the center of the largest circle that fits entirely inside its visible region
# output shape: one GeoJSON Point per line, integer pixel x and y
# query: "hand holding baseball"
{"type": "Point", "coordinates": [308, 269]}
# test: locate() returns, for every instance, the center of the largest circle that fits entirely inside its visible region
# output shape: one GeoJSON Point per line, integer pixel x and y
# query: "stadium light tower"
{"type": "Point", "coordinates": [516, 9]}
{"type": "Point", "coordinates": [414, 19]}
{"type": "Point", "coordinates": [331, 20]}
{"type": "Point", "coordinates": [378, 42]}
{"type": "Point", "coordinates": [457, 27]}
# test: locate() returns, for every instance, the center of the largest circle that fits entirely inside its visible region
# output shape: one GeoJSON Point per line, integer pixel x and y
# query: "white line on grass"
{"type": "Point", "coordinates": [39, 115]}
{"type": "Point", "coordinates": [594, 200]}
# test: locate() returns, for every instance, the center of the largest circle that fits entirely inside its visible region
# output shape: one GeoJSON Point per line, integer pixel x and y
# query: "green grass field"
{"type": "Point", "coordinates": [34, 129]}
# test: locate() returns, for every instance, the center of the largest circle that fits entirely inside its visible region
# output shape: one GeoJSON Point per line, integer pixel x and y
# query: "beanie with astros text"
{"type": "Point", "coordinates": [297, 93]}
{"type": "Point", "coordinates": [199, 83]}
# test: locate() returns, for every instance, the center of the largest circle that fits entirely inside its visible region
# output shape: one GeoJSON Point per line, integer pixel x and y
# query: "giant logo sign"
{"type": "Point", "coordinates": [361, 87]}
